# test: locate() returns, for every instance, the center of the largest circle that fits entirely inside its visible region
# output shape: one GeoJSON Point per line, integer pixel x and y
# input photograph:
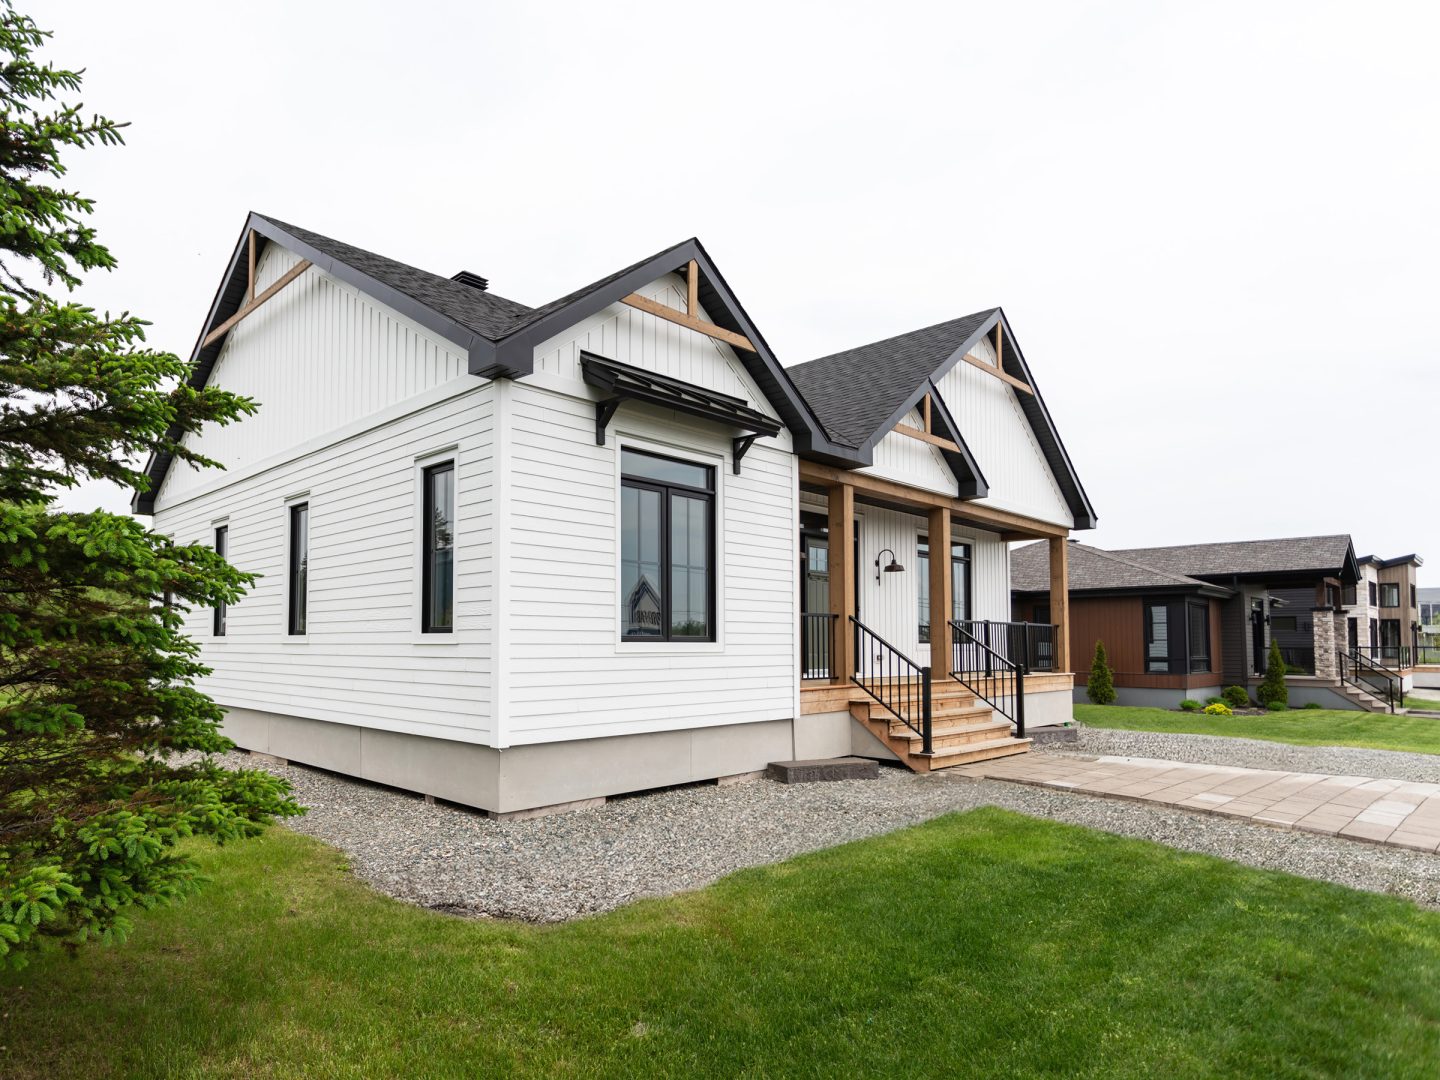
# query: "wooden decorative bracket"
{"type": "Point", "coordinates": [251, 300]}
{"type": "Point", "coordinates": [1003, 376]}
{"type": "Point", "coordinates": [689, 317]}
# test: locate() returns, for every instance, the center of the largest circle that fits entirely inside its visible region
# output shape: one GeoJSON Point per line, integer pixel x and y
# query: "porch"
{"type": "Point", "coordinates": [927, 678]}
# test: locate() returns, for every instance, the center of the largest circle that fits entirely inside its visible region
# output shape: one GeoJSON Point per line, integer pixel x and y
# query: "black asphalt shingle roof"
{"type": "Point", "coordinates": [1295, 554]}
{"type": "Point", "coordinates": [1092, 569]}
{"type": "Point", "coordinates": [853, 393]}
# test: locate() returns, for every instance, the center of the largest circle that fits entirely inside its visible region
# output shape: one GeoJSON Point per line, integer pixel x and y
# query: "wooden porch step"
{"type": "Point", "coordinates": [950, 735]}
{"type": "Point", "coordinates": [981, 751]}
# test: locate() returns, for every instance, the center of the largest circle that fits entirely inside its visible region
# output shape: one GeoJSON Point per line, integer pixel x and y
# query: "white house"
{"type": "Point", "coordinates": [524, 557]}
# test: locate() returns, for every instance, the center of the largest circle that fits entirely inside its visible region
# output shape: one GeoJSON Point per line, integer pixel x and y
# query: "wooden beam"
{"type": "Point", "coordinates": [940, 586]}
{"type": "Point", "coordinates": [1000, 345]}
{"type": "Point", "coordinates": [925, 436]}
{"type": "Point", "coordinates": [916, 499]}
{"type": "Point", "coordinates": [226, 326]}
{"type": "Point", "coordinates": [1003, 376]}
{"type": "Point", "coordinates": [692, 290]}
{"type": "Point", "coordinates": [661, 311]}
{"type": "Point", "coordinates": [842, 580]}
{"type": "Point", "coordinates": [1060, 600]}
{"type": "Point", "coordinates": [928, 426]}
{"type": "Point", "coordinates": [250, 281]}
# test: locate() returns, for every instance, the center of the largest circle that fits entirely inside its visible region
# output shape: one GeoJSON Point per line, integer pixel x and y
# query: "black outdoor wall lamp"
{"type": "Point", "coordinates": [893, 568]}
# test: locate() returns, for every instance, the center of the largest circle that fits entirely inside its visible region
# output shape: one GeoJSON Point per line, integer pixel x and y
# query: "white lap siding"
{"type": "Point", "coordinates": [363, 660]}
{"type": "Point", "coordinates": [568, 675]}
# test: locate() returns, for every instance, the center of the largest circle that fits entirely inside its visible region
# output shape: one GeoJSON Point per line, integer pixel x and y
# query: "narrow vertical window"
{"type": "Point", "coordinates": [299, 565]}
{"type": "Point", "coordinates": [437, 600]}
{"type": "Point", "coordinates": [667, 544]}
{"type": "Point", "coordinates": [222, 542]}
{"type": "Point", "coordinates": [1157, 638]}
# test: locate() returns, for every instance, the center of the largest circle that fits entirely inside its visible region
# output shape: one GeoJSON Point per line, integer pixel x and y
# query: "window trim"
{"type": "Point", "coordinates": [427, 569]}
{"type": "Point", "coordinates": [1387, 585]}
{"type": "Point", "coordinates": [221, 540]}
{"type": "Point", "coordinates": [292, 509]}
{"type": "Point", "coordinates": [711, 496]}
{"type": "Point", "coordinates": [1177, 660]}
{"type": "Point", "coordinates": [922, 579]}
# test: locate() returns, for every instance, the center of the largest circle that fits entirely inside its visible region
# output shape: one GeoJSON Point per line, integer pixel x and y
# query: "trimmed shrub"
{"type": "Point", "coordinates": [1101, 687]}
{"type": "Point", "coordinates": [1215, 701]}
{"type": "Point", "coordinates": [1312, 705]}
{"type": "Point", "coordinates": [1218, 709]}
{"type": "Point", "coordinates": [1189, 705]}
{"type": "Point", "coordinates": [1273, 689]}
{"type": "Point", "coordinates": [1237, 697]}
{"type": "Point", "coordinates": [1278, 706]}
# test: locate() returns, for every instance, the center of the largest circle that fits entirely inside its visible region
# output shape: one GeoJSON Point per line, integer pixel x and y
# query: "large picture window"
{"type": "Point", "coordinates": [299, 566]}
{"type": "Point", "coordinates": [667, 546]}
{"type": "Point", "coordinates": [437, 571]}
{"type": "Point", "coordinates": [222, 542]}
{"type": "Point", "coordinates": [959, 584]}
{"type": "Point", "coordinates": [1177, 637]}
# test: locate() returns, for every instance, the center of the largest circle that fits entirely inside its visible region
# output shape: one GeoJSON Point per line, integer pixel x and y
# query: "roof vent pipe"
{"type": "Point", "coordinates": [475, 281]}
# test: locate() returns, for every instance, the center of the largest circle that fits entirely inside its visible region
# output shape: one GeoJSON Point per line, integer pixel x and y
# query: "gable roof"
{"type": "Point", "coordinates": [859, 395]}
{"type": "Point", "coordinates": [1332, 555]}
{"type": "Point", "coordinates": [498, 335]}
{"type": "Point", "coordinates": [1095, 570]}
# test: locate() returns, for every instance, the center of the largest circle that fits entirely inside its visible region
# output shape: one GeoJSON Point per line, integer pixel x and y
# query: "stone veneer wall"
{"type": "Point", "coordinates": [1323, 620]}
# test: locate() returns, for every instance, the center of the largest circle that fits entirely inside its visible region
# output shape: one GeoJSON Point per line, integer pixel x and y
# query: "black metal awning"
{"type": "Point", "coordinates": [621, 382]}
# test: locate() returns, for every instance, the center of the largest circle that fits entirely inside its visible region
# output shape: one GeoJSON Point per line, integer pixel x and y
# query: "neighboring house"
{"type": "Point", "coordinates": [1383, 616]}
{"type": "Point", "coordinates": [524, 557]}
{"type": "Point", "coordinates": [1185, 621]}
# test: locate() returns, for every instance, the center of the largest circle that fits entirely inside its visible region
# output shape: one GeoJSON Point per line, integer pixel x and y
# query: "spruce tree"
{"type": "Point", "coordinates": [105, 744]}
{"type": "Point", "coordinates": [1101, 687]}
{"type": "Point", "coordinates": [1272, 687]}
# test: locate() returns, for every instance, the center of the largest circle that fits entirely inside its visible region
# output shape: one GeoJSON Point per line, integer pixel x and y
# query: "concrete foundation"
{"type": "Point", "coordinates": [1152, 698]}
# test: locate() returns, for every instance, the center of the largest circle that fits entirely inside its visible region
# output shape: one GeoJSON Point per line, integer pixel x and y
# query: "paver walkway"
{"type": "Point", "coordinates": [1394, 812]}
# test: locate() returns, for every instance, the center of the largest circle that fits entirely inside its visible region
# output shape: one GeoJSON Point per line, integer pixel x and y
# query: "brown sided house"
{"type": "Point", "coordinates": [1186, 621]}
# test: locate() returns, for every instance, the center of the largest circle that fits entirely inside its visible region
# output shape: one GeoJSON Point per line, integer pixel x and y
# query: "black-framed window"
{"type": "Point", "coordinates": [299, 566]}
{"type": "Point", "coordinates": [1199, 643]}
{"type": "Point", "coordinates": [1413, 601]}
{"type": "Point", "coordinates": [437, 570]}
{"type": "Point", "coordinates": [1390, 636]}
{"type": "Point", "coordinates": [667, 548]}
{"type": "Point", "coordinates": [1389, 594]}
{"type": "Point", "coordinates": [1177, 637]}
{"type": "Point", "coordinates": [222, 543]}
{"type": "Point", "coordinates": [1284, 624]}
{"type": "Point", "coordinates": [1374, 595]}
{"type": "Point", "coordinates": [960, 584]}
{"type": "Point", "coordinates": [1347, 595]}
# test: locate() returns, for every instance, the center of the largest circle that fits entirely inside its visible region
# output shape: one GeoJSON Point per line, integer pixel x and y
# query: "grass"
{"type": "Point", "coordinates": [1430, 704]}
{"type": "Point", "coordinates": [983, 943]}
{"type": "Point", "coordinates": [1300, 727]}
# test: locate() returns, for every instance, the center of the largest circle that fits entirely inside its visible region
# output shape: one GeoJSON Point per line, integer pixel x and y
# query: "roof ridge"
{"type": "Point", "coordinates": [984, 313]}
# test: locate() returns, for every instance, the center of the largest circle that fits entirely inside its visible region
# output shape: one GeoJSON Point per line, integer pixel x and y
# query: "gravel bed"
{"type": "Point", "coordinates": [1254, 754]}
{"type": "Point", "coordinates": [567, 865]}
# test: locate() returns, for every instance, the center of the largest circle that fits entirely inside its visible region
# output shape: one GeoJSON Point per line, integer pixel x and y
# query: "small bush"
{"type": "Point", "coordinates": [1101, 687]}
{"type": "Point", "coordinates": [1218, 709]}
{"type": "Point", "coordinates": [1237, 697]}
{"type": "Point", "coordinates": [1312, 705]}
{"type": "Point", "coordinates": [1273, 688]}
{"type": "Point", "coordinates": [1278, 706]}
{"type": "Point", "coordinates": [1214, 701]}
{"type": "Point", "coordinates": [1189, 705]}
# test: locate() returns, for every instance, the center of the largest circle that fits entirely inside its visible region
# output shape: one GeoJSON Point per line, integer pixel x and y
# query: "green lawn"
{"type": "Point", "coordinates": [983, 943]}
{"type": "Point", "coordinates": [1302, 727]}
{"type": "Point", "coordinates": [1422, 703]}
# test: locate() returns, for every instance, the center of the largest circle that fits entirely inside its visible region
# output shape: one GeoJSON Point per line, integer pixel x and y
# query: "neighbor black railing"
{"type": "Point", "coordinates": [1299, 659]}
{"type": "Point", "coordinates": [991, 676]}
{"type": "Point", "coordinates": [1397, 656]}
{"type": "Point", "coordinates": [1427, 654]}
{"type": "Point", "coordinates": [894, 680]}
{"type": "Point", "coordinates": [1031, 645]}
{"type": "Point", "coordinates": [1365, 674]}
{"type": "Point", "coordinates": [817, 644]}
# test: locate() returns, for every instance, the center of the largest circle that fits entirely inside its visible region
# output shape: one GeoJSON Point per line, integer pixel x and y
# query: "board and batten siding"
{"type": "Point", "coordinates": [317, 356]}
{"type": "Point", "coordinates": [907, 460]}
{"type": "Point", "coordinates": [567, 673]}
{"type": "Point", "coordinates": [1003, 443]}
{"type": "Point", "coordinates": [363, 660]}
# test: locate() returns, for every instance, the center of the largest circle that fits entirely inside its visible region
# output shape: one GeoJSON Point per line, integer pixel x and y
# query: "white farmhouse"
{"type": "Point", "coordinates": [523, 558]}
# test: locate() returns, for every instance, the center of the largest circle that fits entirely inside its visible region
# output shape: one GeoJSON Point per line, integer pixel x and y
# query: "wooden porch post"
{"type": "Point", "coordinates": [842, 580]}
{"type": "Point", "coordinates": [1060, 600]}
{"type": "Point", "coordinates": [940, 586]}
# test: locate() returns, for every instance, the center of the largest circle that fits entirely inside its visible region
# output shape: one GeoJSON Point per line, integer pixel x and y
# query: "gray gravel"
{"type": "Point", "coordinates": [1255, 754]}
{"type": "Point", "coordinates": [560, 867]}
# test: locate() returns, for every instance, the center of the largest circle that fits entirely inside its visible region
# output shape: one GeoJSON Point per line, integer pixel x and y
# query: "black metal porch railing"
{"type": "Point", "coordinates": [817, 644]}
{"type": "Point", "coordinates": [1299, 659]}
{"type": "Point", "coordinates": [1427, 654]}
{"type": "Point", "coordinates": [894, 680]}
{"type": "Point", "coordinates": [1396, 656]}
{"type": "Point", "coordinates": [994, 678]}
{"type": "Point", "coordinates": [1365, 674]}
{"type": "Point", "coordinates": [1029, 644]}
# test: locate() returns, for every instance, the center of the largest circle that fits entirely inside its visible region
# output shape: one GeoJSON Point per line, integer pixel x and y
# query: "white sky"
{"type": "Point", "coordinates": [1213, 227]}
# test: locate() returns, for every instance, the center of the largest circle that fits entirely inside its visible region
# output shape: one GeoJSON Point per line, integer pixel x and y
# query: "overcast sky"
{"type": "Point", "coordinates": [1213, 227]}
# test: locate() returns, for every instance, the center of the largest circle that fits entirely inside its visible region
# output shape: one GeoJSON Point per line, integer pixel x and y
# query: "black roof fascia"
{"type": "Point", "coordinates": [1206, 589]}
{"type": "Point", "coordinates": [972, 482]}
{"type": "Point", "coordinates": [724, 310]}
